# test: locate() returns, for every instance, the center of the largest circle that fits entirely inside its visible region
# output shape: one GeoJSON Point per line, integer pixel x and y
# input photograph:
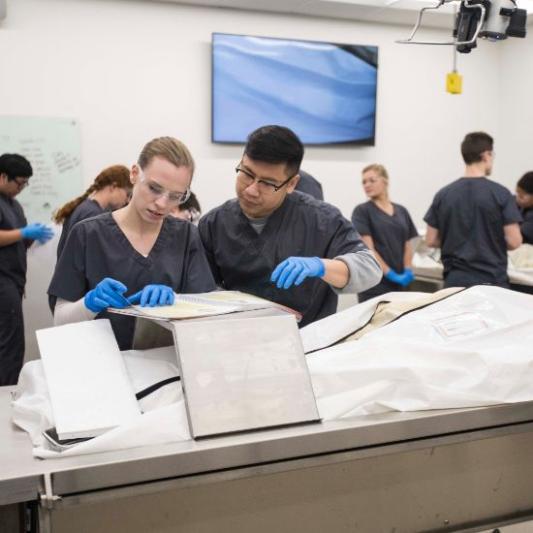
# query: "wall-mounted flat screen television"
{"type": "Point", "coordinates": [324, 92]}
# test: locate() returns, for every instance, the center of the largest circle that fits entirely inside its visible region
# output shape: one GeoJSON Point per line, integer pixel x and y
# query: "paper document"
{"type": "Point", "coordinates": [204, 304]}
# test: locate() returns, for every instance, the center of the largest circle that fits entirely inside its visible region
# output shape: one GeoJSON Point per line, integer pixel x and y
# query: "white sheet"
{"type": "Point", "coordinates": [164, 418]}
{"type": "Point", "coordinates": [472, 349]}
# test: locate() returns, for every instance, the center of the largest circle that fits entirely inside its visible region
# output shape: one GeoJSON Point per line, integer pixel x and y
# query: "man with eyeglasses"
{"type": "Point", "coordinates": [280, 244]}
{"type": "Point", "coordinates": [15, 237]}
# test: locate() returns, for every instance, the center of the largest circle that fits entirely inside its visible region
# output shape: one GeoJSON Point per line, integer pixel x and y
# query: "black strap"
{"type": "Point", "coordinates": [156, 386]}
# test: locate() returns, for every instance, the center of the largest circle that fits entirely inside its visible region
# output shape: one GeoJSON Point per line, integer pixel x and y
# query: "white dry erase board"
{"type": "Point", "coordinates": [52, 146]}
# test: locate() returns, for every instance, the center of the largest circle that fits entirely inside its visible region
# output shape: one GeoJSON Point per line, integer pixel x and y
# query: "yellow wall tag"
{"type": "Point", "coordinates": [454, 83]}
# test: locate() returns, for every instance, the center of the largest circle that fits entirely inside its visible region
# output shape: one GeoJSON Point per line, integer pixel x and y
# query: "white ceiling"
{"type": "Point", "coordinates": [387, 11]}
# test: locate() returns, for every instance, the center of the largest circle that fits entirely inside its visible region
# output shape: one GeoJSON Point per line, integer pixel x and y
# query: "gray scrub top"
{"type": "Point", "coordinates": [241, 259]}
{"type": "Point", "coordinates": [12, 256]}
{"type": "Point", "coordinates": [87, 209]}
{"type": "Point", "coordinates": [97, 248]}
{"type": "Point", "coordinates": [470, 214]}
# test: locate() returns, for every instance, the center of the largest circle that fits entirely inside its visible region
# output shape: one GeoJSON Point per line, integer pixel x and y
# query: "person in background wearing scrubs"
{"type": "Point", "coordinates": [189, 211]}
{"type": "Point", "coordinates": [137, 254]}
{"type": "Point", "coordinates": [474, 221]}
{"type": "Point", "coordinates": [524, 199]}
{"type": "Point", "coordinates": [280, 244]}
{"type": "Point", "coordinates": [15, 237]}
{"type": "Point", "coordinates": [387, 229]}
{"type": "Point", "coordinates": [109, 191]}
{"type": "Point", "coordinates": [309, 185]}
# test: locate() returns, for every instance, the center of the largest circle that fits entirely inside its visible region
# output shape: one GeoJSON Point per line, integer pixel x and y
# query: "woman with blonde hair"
{"type": "Point", "coordinates": [137, 254]}
{"type": "Point", "coordinates": [109, 191]}
{"type": "Point", "coordinates": [387, 229]}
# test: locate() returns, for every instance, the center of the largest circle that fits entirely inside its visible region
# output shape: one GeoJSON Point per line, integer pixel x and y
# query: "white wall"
{"type": "Point", "coordinates": [132, 70]}
{"type": "Point", "coordinates": [514, 145]}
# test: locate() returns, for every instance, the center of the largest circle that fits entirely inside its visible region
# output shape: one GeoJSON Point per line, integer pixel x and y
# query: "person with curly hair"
{"type": "Point", "coordinates": [110, 190]}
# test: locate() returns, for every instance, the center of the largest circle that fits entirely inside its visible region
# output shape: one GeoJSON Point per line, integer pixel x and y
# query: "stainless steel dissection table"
{"type": "Point", "coordinates": [451, 470]}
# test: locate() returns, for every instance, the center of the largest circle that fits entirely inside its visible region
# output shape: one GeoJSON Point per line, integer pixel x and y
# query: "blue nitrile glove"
{"type": "Point", "coordinates": [37, 232]}
{"type": "Point", "coordinates": [402, 279]}
{"type": "Point", "coordinates": [393, 276]}
{"type": "Point", "coordinates": [294, 270]}
{"type": "Point", "coordinates": [407, 277]}
{"type": "Point", "coordinates": [108, 293]}
{"type": "Point", "coordinates": [153, 295]}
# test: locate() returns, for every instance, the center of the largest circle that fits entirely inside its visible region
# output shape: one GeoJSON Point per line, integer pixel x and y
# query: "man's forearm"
{"type": "Point", "coordinates": [364, 272]}
{"type": "Point", "coordinates": [9, 236]}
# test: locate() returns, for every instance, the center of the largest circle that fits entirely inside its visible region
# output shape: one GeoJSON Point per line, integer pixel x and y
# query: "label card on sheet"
{"type": "Point", "coordinates": [460, 325]}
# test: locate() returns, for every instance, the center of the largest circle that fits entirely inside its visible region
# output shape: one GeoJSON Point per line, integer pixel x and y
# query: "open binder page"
{"type": "Point", "coordinates": [204, 304]}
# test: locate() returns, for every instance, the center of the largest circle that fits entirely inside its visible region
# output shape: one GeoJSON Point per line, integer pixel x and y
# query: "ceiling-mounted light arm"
{"type": "Point", "coordinates": [466, 4]}
{"type": "Point", "coordinates": [419, 21]}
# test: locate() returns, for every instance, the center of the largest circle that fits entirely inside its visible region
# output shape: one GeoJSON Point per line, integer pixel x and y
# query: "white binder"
{"type": "Point", "coordinates": [87, 380]}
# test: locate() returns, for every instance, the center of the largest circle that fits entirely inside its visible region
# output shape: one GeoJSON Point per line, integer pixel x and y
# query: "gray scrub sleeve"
{"type": "Point", "coordinates": [365, 272]}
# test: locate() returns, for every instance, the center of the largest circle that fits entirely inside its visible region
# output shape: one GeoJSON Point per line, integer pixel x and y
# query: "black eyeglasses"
{"type": "Point", "coordinates": [247, 178]}
{"type": "Point", "coordinates": [21, 184]}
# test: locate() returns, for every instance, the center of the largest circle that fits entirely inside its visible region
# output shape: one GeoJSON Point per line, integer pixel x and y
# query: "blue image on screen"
{"type": "Point", "coordinates": [324, 92]}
